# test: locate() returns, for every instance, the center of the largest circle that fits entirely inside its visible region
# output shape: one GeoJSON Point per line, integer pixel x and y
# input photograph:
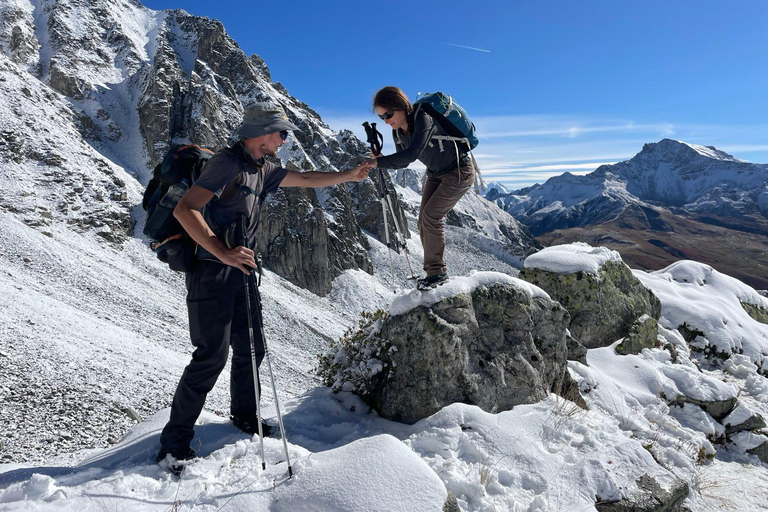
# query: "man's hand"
{"type": "Point", "coordinates": [240, 257]}
{"type": "Point", "coordinates": [360, 172]}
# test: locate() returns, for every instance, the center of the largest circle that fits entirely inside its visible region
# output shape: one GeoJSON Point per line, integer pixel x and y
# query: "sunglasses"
{"type": "Point", "coordinates": [284, 134]}
{"type": "Point", "coordinates": [387, 115]}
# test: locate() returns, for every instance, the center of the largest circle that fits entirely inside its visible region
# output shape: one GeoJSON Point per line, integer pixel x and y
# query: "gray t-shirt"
{"type": "Point", "coordinates": [240, 184]}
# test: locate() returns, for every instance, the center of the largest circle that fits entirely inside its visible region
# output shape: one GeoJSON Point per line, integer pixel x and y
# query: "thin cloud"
{"type": "Point", "coordinates": [514, 167]}
{"type": "Point", "coordinates": [519, 150]}
{"type": "Point", "coordinates": [573, 132]}
{"type": "Point", "coordinates": [467, 47]}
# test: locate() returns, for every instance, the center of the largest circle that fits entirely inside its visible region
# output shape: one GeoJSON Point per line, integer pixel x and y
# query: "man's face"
{"type": "Point", "coordinates": [271, 144]}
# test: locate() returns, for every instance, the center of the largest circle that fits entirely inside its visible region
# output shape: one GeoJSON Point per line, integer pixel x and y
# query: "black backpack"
{"type": "Point", "coordinates": [171, 179]}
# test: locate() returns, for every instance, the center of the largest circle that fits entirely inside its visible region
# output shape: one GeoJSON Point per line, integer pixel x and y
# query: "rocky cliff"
{"type": "Point", "coordinates": [126, 83]}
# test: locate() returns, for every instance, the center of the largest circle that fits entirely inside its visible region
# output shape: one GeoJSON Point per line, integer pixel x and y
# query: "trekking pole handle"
{"type": "Point", "coordinates": [257, 272]}
{"type": "Point", "coordinates": [374, 137]}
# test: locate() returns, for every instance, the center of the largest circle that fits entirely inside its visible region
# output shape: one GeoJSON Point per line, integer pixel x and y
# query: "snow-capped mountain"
{"type": "Point", "coordinates": [494, 189]}
{"type": "Point", "coordinates": [671, 201]}
{"type": "Point", "coordinates": [688, 178]}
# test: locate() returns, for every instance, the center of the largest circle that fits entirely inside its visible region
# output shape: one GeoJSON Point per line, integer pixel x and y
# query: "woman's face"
{"type": "Point", "coordinates": [396, 118]}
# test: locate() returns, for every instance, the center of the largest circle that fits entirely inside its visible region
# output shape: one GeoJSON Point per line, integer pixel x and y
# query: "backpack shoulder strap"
{"type": "Point", "coordinates": [152, 186]}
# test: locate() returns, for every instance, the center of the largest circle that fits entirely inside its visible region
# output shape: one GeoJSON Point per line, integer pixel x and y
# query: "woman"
{"type": "Point", "coordinates": [447, 179]}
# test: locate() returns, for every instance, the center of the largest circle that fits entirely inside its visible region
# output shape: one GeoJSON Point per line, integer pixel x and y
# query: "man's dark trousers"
{"type": "Point", "coordinates": [217, 319]}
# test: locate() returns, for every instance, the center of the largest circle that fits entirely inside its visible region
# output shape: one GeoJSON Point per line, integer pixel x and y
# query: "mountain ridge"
{"type": "Point", "coordinates": [631, 204]}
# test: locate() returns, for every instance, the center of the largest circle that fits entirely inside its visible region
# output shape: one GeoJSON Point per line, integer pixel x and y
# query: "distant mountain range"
{"type": "Point", "coordinates": [673, 200]}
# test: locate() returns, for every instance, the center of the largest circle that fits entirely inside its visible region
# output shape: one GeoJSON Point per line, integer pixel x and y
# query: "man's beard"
{"type": "Point", "coordinates": [267, 151]}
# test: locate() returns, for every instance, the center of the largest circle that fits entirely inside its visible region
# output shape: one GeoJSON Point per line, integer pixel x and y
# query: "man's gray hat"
{"type": "Point", "coordinates": [262, 122]}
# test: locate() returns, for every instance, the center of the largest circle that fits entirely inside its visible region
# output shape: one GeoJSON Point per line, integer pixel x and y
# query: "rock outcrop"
{"type": "Point", "coordinates": [494, 342]}
{"type": "Point", "coordinates": [604, 306]}
{"type": "Point", "coordinates": [134, 90]}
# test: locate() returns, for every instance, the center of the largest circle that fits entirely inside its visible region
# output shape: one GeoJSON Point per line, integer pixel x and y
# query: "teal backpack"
{"type": "Point", "coordinates": [454, 121]}
{"type": "Point", "coordinates": [450, 116]}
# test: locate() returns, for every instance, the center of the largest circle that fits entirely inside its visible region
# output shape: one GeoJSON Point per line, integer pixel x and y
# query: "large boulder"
{"type": "Point", "coordinates": [599, 291]}
{"type": "Point", "coordinates": [489, 340]}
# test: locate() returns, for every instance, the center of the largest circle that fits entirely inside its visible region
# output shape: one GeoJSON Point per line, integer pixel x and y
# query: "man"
{"type": "Point", "coordinates": [232, 187]}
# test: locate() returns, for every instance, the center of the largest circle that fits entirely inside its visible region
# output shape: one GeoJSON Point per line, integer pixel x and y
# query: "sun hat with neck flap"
{"type": "Point", "coordinates": [257, 122]}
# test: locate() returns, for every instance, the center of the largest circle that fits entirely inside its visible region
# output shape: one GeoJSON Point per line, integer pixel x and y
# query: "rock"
{"type": "Point", "coordinates": [576, 351]}
{"type": "Point", "coordinates": [760, 451]}
{"type": "Point", "coordinates": [133, 415]}
{"type": "Point", "coordinates": [495, 347]}
{"type": "Point", "coordinates": [756, 312]}
{"type": "Point", "coordinates": [178, 104]}
{"type": "Point", "coordinates": [742, 419]}
{"type": "Point", "coordinates": [642, 334]}
{"type": "Point", "coordinates": [451, 503]}
{"type": "Point", "coordinates": [293, 239]}
{"type": "Point", "coordinates": [602, 307]}
{"type": "Point", "coordinates": [751, 443]}
{"type": "Point", "coordinates": [369, 212]}
{"type": "Point", "coordinates": [718, 409]}
{"type": "Point", "coordinates": [672, 352]}
{"type": "Point", "coordinates": [652, 498]}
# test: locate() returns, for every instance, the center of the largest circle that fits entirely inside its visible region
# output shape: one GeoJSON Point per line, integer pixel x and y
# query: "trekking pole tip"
{"type": "Point", "coordinates": [290, 471]}
{"type": "Point", "coordinates": [263, 466]}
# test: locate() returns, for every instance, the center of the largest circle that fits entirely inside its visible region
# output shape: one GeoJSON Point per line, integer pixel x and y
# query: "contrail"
{"type": "Point", "coordinates": [468, 47]}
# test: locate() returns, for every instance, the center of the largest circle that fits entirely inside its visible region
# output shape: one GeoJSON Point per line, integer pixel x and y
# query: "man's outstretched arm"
{"type": "Point", "coordinates": [315, 179]}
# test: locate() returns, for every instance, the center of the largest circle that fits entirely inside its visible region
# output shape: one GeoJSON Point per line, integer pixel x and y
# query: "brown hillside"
{"type": "Point", "coordinates": [654, 241]}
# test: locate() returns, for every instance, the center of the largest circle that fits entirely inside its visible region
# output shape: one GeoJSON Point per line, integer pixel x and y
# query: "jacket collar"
{"type": "Point", "coordinates": [246, 155]}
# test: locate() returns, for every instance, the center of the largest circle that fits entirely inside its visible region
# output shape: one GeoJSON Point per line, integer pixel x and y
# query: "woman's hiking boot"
{"type": "Point", "coordinates": [429, 282]}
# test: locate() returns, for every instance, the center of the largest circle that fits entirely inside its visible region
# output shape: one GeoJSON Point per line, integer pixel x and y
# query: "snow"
{"type": "Point", "coordinates": [409, 300]}
{"type": "Point", "coordinates": [546, 456]}
{"type": "Point", "coordinates": [381, 472]}
{"type": "Point", "coordinates": [571, 258]}
{"type": "Point", "coordinates": [707, 301]}
{"type": "Point", "coordinates": [358, 462]}
{"type": "Point", "coordinates": [709, 152]}
{"type": "Point", "coordinates": [353, 477]}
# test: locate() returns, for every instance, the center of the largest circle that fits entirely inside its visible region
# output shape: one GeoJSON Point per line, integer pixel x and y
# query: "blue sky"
{"type": "Point", "coordinates": [552, 86]}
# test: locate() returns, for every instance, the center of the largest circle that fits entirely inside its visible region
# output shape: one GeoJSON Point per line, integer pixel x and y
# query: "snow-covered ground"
{"type": "Point", "coordinates": [547, 456]}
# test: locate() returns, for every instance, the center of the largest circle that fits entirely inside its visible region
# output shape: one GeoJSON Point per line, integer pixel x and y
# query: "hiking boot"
{"type": "Point", "coordinates": [429, 282]}
{"type": "Point", "coordinates": [177, 460]}
{"type": "Point", "coordinates": [250, 425]}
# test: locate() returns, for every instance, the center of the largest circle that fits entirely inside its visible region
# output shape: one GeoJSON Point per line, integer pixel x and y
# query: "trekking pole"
{"type": "Point", "coordinates": [260, 321]}
{"type": "Point", "coordinates": [386, 204]}
{"type": "Point", "coordinates": [376, 139]}
{"type": "Point", "coordinates": [266, 356]}
{"type": "Point", "coordinates": [274, 388]}
{"type": "Point", "coordinates": [253, 353]}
